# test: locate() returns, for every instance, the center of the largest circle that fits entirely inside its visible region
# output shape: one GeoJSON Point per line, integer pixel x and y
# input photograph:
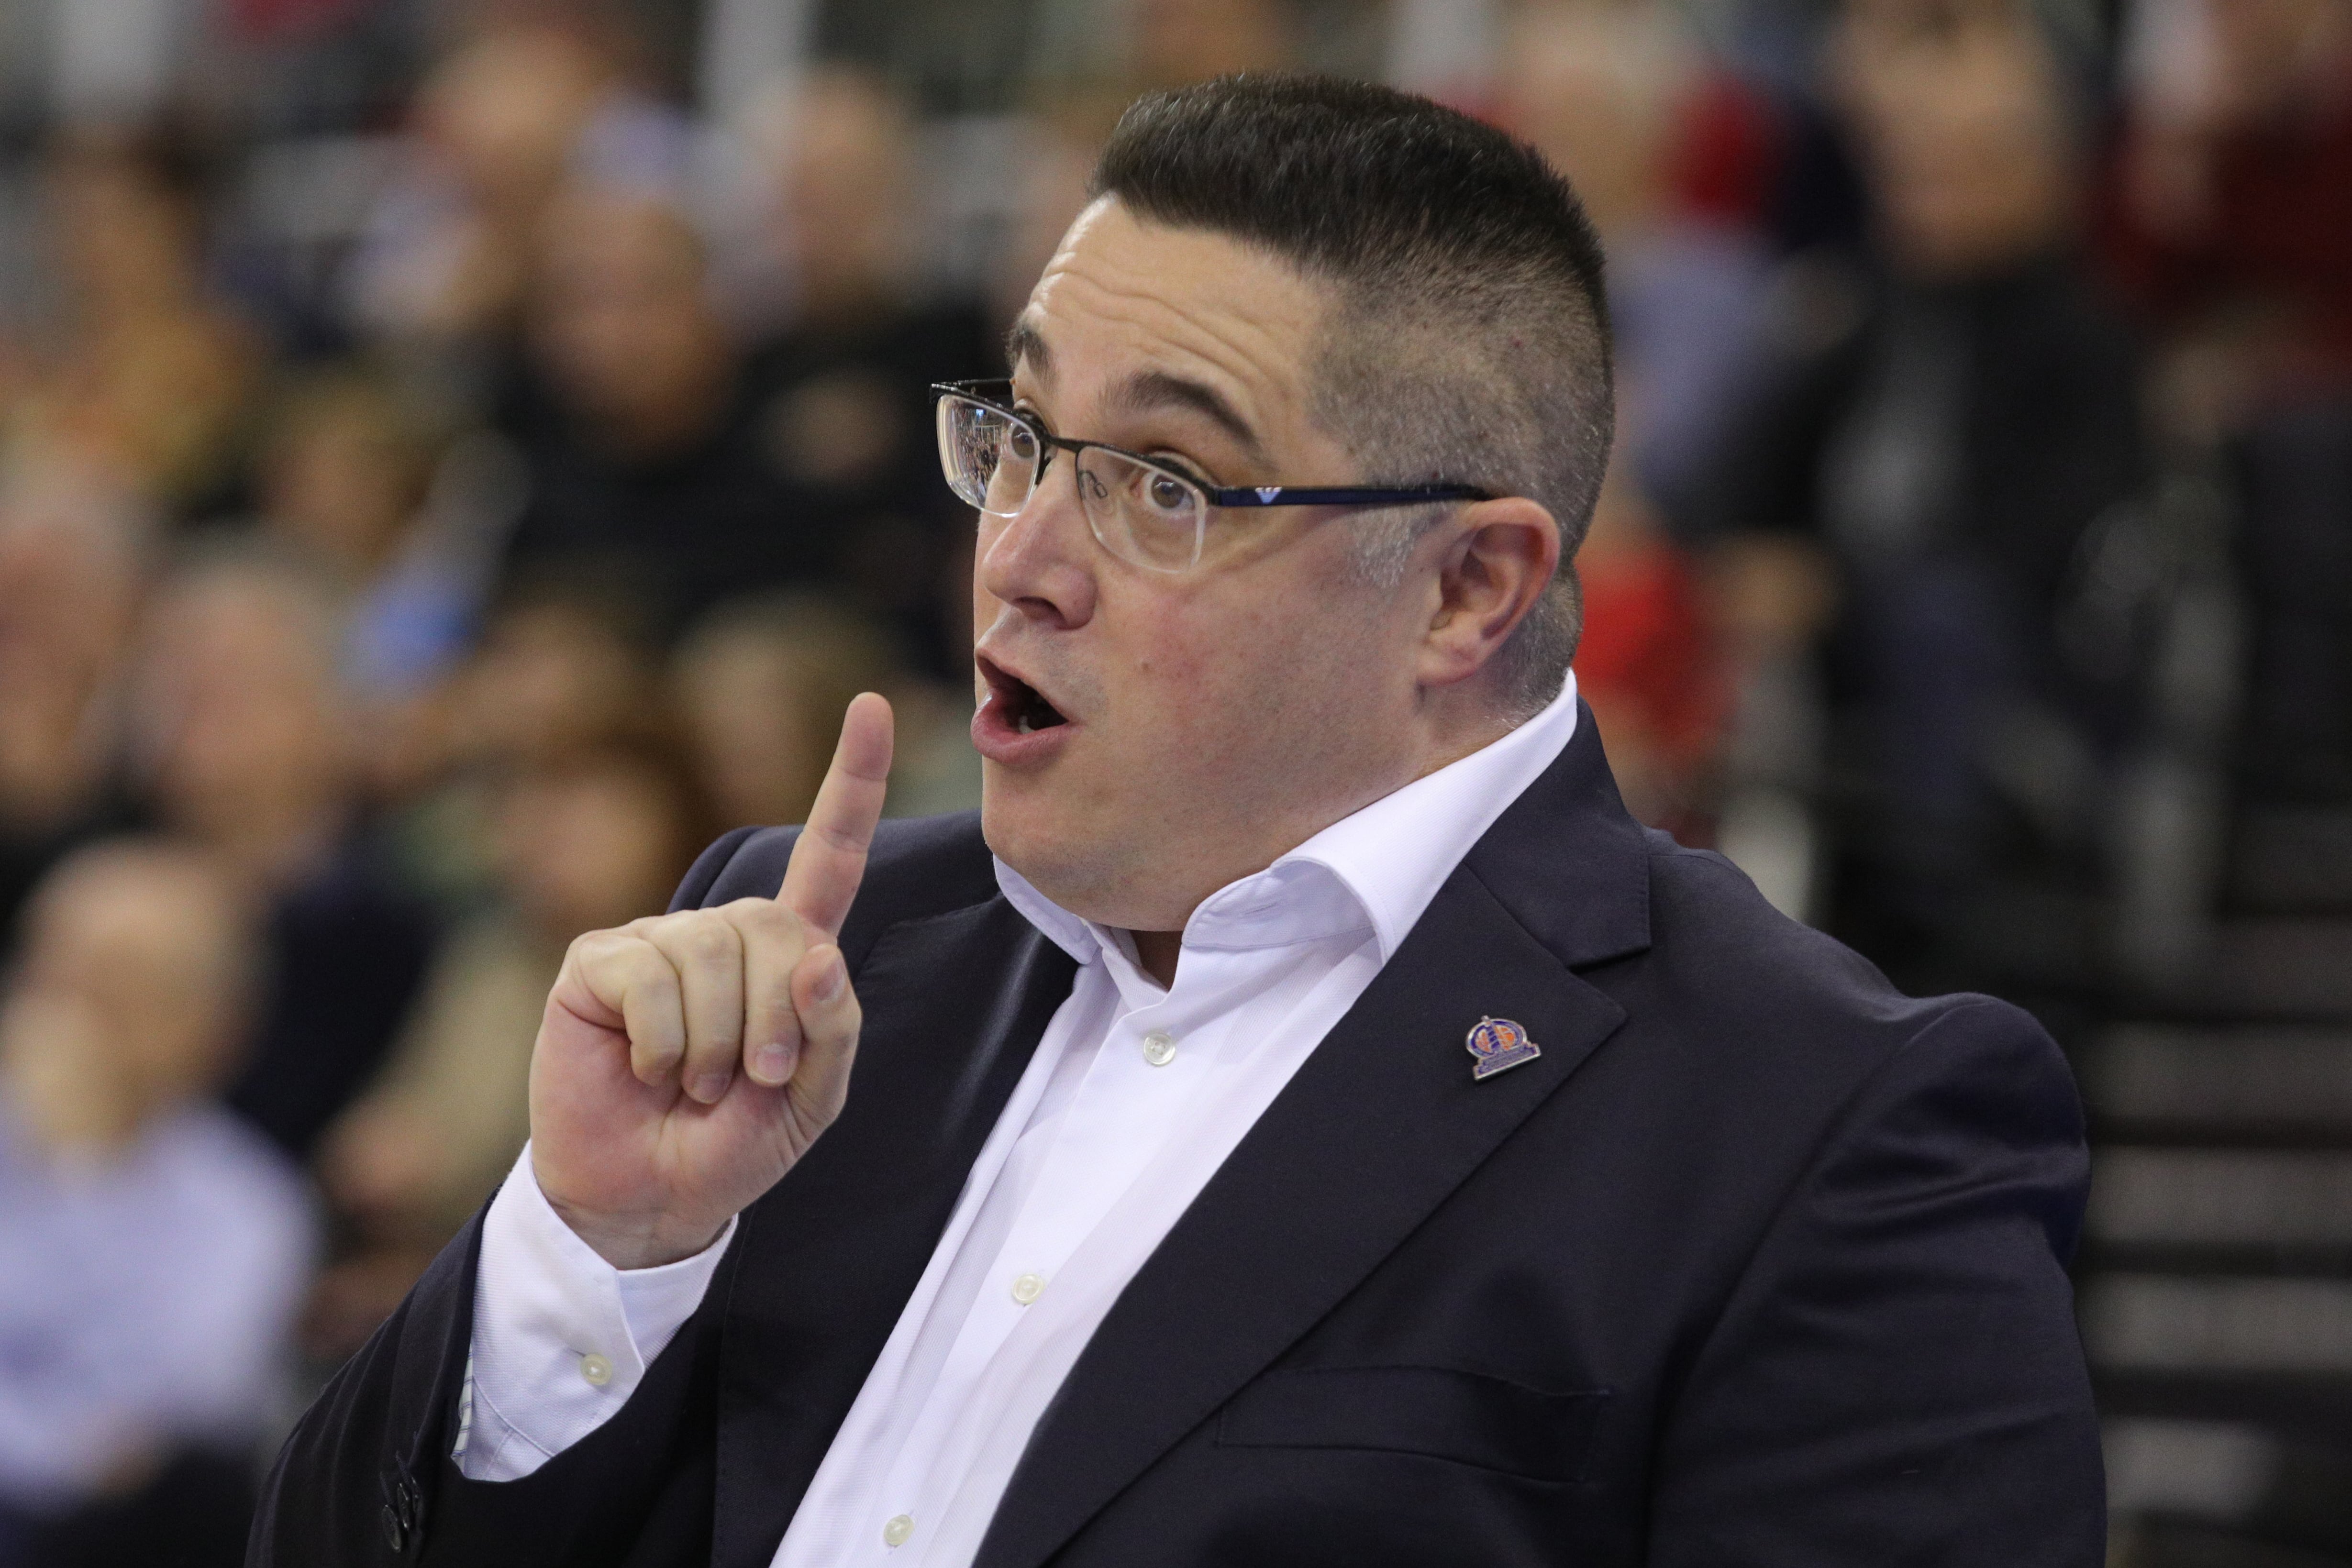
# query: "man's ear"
{"type": "Point", "coordinates": [1496, 559]}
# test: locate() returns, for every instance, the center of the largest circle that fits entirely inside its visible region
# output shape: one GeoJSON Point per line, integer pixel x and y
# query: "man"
{"type": "Point", "coordinates": [1169, 1219]}
{"type": "Point", "coordinates": [651, 472]}
{"type": "Point", "coordinates": [1955, 462]}
{"type": "Point", "coordinates": [157, 1247]}
{"type": "Point", "coordinates": [240, 718]}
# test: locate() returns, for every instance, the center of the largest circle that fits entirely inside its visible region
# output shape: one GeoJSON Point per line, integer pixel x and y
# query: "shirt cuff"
{"type": "Point", "coordinates": [562, 1338]}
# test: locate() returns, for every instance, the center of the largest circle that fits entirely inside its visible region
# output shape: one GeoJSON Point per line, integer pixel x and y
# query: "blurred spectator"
{"type": "Point", "coordinates": [242, 744]}
{"type": "Point", "coordinates": [448, 250]}
{"type": "Point", "coordinates": [654, 466]}
{"type": "Point", "coordinates": [838, 147]}
{"type": "Point", "coordinates": [560, 666]}
{"type": "Point", "coordinates": [1648, 664]}
{"type": "Point", "coordinates": [1154, 43]}
{"type": "Point", "coordinates": [1669, 155]}
{"type": "Point", "coordinates": [153, 1249]}
{"type": "Point", "coordinates": [1049, 192]}
{"type": "Point", "coordinates": [1619, 98]}
{"type": "Point", "coordinates": [148, 373]}
{"type": "Point", "coordinates": [2229, 227]}
{"type": "Point", "coordinates": [345, 471]}
{"type": "Point", "coordinates": [1954, 425]}
{"type": "Point", "coordinates": [350, 483]}
{"type": "Point", "coordinates": [73, 553]}
{"type": "Point", "coordinates": [2230, 214]}
{"type": "Point", "coordinates": [588, 838]}
{"type": "Point", "coordinates": [840, 386]}
{"type": "Point", "coordinates": [761, 684]}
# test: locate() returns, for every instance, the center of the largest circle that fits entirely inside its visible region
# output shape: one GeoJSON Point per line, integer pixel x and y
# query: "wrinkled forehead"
{"type": "Point", "coordinates": [1133, 315]}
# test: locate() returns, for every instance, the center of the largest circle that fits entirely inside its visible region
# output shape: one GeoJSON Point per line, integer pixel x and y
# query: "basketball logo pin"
{"type": "Point", "coordinates": [1499, 1045]}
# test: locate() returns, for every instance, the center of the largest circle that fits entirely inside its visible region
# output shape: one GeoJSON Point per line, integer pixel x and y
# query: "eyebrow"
{"type": "Point", "coordinates": [1142, 393]}
{"type": "Point", "coordinates": [1148, 390]}
{"type": "Point", "coordinates": [1025, 342]}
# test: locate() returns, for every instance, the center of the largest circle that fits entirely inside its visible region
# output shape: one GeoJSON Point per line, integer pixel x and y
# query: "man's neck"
{"type": "Point", "coordinates": [1157, 952]}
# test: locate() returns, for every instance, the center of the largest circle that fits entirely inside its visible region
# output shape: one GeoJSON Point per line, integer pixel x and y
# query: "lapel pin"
{"type": "Point", "coordinates": [1500, 1044]}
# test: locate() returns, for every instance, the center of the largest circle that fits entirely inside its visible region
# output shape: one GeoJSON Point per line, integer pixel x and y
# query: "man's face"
{"type": "Point", "coordinates": [1211, 720]}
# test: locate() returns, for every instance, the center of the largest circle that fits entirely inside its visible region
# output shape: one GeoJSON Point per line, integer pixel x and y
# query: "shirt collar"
{"type": "Point", "coordinates": [1067, 931]}
{"type": "Point", "coordinates": [1377, 868]}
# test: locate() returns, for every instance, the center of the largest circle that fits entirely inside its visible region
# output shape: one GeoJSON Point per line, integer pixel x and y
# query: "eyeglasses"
{"type": "Point", "coordinates": [1143, 510]}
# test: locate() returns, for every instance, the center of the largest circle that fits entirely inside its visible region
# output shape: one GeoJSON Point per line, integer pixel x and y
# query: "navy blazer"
{"type": "Point", "coordinates": [1760, 1263]}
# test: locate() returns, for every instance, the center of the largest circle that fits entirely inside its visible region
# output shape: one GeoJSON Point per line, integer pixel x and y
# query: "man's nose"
{"type": "Point", "coordinates": [1042, 559]}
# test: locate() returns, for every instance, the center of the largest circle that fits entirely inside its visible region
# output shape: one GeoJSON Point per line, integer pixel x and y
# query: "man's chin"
{"type": "Point", "coordinates": [1020, 830]}
{"type": "Point", "coordinates": [1058, 856]}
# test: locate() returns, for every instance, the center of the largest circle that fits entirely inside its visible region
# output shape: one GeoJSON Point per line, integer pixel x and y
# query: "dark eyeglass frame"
{"type": "Point", "coordinates": [996, 393]}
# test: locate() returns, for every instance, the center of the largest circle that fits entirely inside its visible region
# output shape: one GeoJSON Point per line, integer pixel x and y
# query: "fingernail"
{"type": "Point", "coordinates": [772, 1064]}
{"type": "Point", "coordinates": [829, 983]}
{"type": "Point", "coordinates": [710, 1087]}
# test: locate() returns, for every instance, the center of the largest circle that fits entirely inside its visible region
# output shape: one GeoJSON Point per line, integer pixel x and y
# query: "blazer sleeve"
{"type": "Point", "coordinates": [1897, 1376]}
{"type": "Point", "coordinates": [366, 1477]}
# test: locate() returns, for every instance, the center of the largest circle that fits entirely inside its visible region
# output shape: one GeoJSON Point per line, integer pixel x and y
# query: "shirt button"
{"type": "Point", "coordinates": [895, 1533]}
{"type": "Point", "coordinates": [595, 1369]}
{"type": "Point", "coordinates": [1028, 1288]}
{"type": "Point", "coordinates": [1160, 1048]}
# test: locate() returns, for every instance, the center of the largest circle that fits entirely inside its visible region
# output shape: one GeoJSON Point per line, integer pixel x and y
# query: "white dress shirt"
{"type": "Point", "coordinates": [1136, 1095]}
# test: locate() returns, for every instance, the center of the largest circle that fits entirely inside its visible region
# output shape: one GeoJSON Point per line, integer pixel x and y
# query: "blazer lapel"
{"type": "Point", "coordinates": [1381, 1124]}
{"type": "Point", "coordinates": [955, 1007]}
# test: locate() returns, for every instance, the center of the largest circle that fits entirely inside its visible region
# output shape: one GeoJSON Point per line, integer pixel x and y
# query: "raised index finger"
{"type": "Point", "coordinates": [829, 861]}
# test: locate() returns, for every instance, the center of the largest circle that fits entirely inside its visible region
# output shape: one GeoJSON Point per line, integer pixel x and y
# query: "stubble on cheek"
{"type": "Point", "coordinates": [1214, 741]}
{"type": "Point", "coordinates": [1075, 842]}
{"type": "Point", "coordinates": [1111, 828]}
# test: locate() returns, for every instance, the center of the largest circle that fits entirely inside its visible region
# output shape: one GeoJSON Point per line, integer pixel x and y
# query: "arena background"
{"type": "Point", "coordinates": [455, 458]}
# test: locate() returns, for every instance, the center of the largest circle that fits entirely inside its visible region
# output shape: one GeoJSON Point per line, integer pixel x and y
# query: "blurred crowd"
{"type": "Point", "coordinates": [385, 602]}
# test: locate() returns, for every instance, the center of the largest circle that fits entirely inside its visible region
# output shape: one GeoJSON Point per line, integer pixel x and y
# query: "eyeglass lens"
{"type": "Point", "coordinates": [1140, 513]}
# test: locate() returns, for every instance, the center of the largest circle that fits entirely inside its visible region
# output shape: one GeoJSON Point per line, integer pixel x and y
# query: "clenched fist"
{"type": "Point", "coordinates": [687, 1060]}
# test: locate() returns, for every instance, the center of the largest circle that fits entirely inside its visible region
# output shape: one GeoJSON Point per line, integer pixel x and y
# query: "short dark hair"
{"type": "Point", "coordinates": [1471, 341]}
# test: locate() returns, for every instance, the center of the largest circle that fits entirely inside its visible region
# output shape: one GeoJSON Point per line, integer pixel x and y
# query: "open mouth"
{"type": "Point", "coordinates": [1023, 707]}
